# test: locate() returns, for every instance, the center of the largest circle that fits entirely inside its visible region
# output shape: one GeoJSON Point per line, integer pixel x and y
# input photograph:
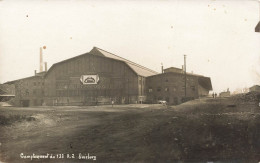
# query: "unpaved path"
{"type": "Point", "coordinates": [199, 130]}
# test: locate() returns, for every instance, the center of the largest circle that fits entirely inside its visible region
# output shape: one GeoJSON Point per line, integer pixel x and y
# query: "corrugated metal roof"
{"type": "Point", "coordinates": [140, 70]}
{"type": "Point", "coordinates": [205, 82]}
{"type": "Point", "coordinates": [38, 75]}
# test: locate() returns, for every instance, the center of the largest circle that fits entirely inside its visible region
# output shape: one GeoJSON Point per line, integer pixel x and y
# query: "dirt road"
{"type": "Point", "coordinates": [200, 130]}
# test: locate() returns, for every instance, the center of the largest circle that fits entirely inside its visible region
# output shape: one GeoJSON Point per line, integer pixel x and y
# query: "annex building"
{"type": "Point", "coordinates": [170, 86]}
{"type": "Point", "coordinates": [98, 77]}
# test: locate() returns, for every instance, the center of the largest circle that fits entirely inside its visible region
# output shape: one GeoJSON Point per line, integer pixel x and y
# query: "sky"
{"type": "Point", "coordinates": [217, 36]}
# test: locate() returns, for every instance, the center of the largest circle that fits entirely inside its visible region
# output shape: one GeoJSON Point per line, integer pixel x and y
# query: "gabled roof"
{"type": "Point", "coordinates": [38, 75]}
{"type": "Point", "coordinates": [140, 70]}
{"type": "Point", "coordinates": [255, 86]}
{"type": "Point", "coordinates": [205, 82]}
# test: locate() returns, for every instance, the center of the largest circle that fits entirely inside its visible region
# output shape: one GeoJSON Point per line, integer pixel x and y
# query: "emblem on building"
{"type": "Point", "coordinates": [89, 79]}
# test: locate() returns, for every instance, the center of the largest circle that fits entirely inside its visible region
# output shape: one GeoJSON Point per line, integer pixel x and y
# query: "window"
{"type": "Point", "coordinates": [166, 80]}
{"type": "Point", "coordinates": [42, 83]}
{"type": "Point", "coordinates": [27, 92]}
{"type": "Point", "coordinates": [166, 89]}
{"type": "Point", "coordinates": [158, 89]}
{"type": "Point", "coordinates": [34, 92]}
{"type": "Point", "coordinates": [193, 88]}
{"type": "Point", "coordinates": [150, 90]}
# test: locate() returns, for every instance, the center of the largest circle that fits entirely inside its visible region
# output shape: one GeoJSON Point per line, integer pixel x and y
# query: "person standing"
{"type": "Point", "coordinates": [112, 102]}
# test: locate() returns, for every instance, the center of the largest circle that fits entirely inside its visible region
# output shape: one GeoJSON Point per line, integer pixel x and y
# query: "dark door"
{"type": "Point", "coordinates": [25, 103]}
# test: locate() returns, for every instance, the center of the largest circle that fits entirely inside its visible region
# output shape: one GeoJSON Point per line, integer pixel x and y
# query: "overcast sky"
{"type": "Point", "coordinates": [217, 36]}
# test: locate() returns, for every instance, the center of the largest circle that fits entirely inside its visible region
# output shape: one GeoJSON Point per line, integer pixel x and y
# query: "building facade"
{"type": "Point", "coordinates": [99, 77]}
{"type": "Point", "coordinates": [119, 80]}
{"type": "Point", "coordinates": [29, 91]}
{"type": "Point", "coordinates": [170, 86]}
{"type": "Point", "coordinates": [255, 88]}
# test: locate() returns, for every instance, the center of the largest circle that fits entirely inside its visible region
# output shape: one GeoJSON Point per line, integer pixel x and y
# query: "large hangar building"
{"type": "Point", "coordinates": [98, 77]}
{"type": "Point", "coordinates": [118, 79]}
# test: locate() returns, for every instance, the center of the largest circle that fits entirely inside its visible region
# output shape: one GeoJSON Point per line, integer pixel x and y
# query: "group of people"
{"type": "Point", "coordinates": [214, 95]}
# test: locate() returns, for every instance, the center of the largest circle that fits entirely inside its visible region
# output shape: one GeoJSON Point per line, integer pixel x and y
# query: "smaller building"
{"type": "Point", "coordinates": [29, 91]}
{"type": "Point", "coordinates": [224, 93]}
{"type": "Point", "coordinates": [170, 86]}
{"type": "Point", "coordinates": [255, 88]}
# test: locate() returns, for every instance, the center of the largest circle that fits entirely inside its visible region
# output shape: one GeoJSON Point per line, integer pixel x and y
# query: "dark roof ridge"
{"type": "Point", "coordinates": [10, 82]}
{"type": "Point", "coordinates": [190, 74]}
{"type": "Point", "coordinates": [127, 60]}
{"type": "Point", "coordinates": [70, 58]}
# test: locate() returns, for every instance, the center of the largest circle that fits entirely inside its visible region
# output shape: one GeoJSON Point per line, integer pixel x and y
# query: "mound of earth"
{"type": "Point", "coordinates": [253, 97]}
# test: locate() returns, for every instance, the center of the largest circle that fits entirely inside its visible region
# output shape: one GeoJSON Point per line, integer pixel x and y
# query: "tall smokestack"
{"type": "Point", "coordinates": [45, 64]}
{"type": "Point", "coordinates": [185, 76]}
{"type": "Point", "coordinates": [41, 60]}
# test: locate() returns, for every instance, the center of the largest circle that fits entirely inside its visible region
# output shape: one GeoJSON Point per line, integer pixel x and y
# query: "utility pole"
{"type": "Point", "coordinates": [185, 76]}
{"type": "Point", "coordinates": [128, 90]}
{"type": "Point", "coordinates": [257, 28]}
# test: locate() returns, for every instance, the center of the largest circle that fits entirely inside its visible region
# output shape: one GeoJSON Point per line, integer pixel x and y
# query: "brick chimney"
{"type": "Point", "coordinates": [41, 61]}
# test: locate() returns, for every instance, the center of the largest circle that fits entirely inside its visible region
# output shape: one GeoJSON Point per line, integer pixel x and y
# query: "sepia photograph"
{"type": "Point", "coordinates": [130, 81]}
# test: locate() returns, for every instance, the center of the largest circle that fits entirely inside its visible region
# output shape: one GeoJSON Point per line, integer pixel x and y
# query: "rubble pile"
{"type": "Point", "coordinates": [253, 97]}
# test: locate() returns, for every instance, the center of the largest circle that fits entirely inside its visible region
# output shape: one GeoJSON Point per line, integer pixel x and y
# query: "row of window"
{"type": "Point", "coordinates": [38, 84]}
{"type": "Point", "coordinates": [166, 89]}
{"type": "Point", "coordinates": [105, 92]}
{"type": "Point", "coordinates": [34, 92]}
{"type": "Point", "coordinates": [183, 79]}
{"type": "Point", "coordinates": [79, 86]}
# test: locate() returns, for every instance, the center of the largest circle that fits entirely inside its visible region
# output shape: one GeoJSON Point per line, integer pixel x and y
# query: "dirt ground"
{"type": "Point", "coordinates": [203, 130]}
